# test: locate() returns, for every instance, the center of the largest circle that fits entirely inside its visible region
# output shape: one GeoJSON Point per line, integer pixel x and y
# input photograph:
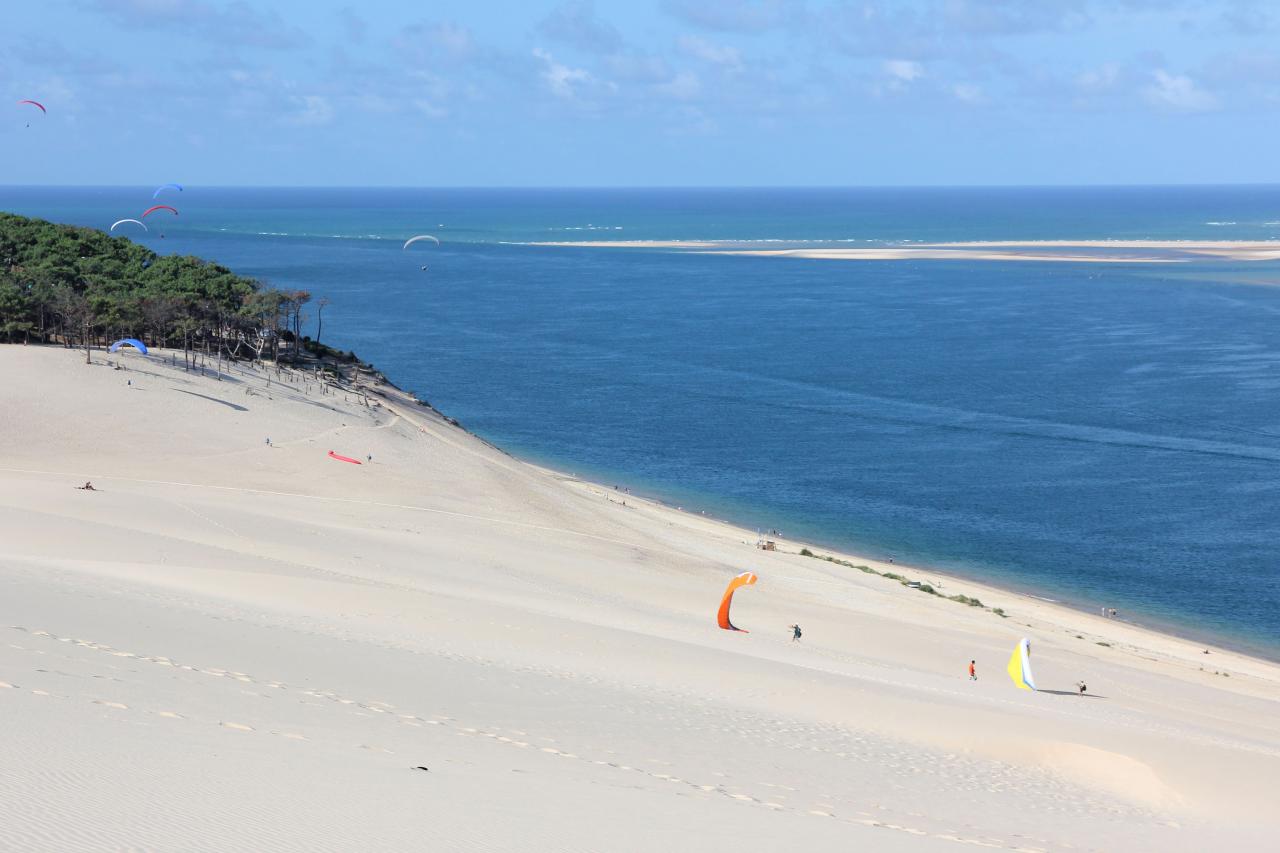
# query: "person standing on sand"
{"type": "Point", "coordinates": [1082, 686]}
{"type": "Point", "coordinates": [795, 633]}
{"type": "Point", "coordinates": [973, 670]}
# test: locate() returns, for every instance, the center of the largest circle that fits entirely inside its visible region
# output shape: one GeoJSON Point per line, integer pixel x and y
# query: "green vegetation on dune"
{"type": "Point", "coordinates": [80, 286]}
{"type": "Point", "coordinates": [926, 588]}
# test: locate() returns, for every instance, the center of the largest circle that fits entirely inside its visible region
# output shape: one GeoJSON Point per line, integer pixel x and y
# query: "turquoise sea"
{"type": "Point", "coordinates": [1100, 434]}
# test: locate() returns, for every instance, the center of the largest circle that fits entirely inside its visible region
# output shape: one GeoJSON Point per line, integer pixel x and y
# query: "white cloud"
{"type": "Point", "coordinates": [453, 40]}
{"type": "Point", "coordinates": [235, 23]}
{"type": "Point", "coordinates": [575, 23]}
{"type": "Point", "coordinates": [1177, 91]}
{"type": "Point", "coordinates": [683, 87]}
{"type": "Point", "coordinates": [560, 78]}
{"type": "Point", "coordinates": [716, 54]}
{"type": "Point", "coordinates": [1099, 79]}
{"type": "Point", "coordinates": [967, 92]}
{"type": "Point", "coordinates": [429, 109]}
{"type": "Point", "coordinates": [431, 44]}
{"type": "Point", "coordinates": [903, 69]}
{"type": "Point", "coordinates": [745, 16]}
{"type": "Point", "coordinates": [311, 110]}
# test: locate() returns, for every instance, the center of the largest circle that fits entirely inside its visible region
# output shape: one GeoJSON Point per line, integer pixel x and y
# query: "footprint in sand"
{"type": "Point", "coordinates": [237, 726]}
{"type": "Point", "coordinates": [171, 715]}
{"type": "Point", "coordinates": [117, 705]}
{"type": "Point", "coordinates": [4, 684]}
{"type": "Point", "coordinates": [291, 735]}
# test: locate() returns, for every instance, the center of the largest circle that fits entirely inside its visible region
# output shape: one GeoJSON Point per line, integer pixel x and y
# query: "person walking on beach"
{"type": "Point", "coordinates": [1082, 687]}
{"type": "Point", "coordinates": [795, 633]}
{"type": "Point", "coordinates": [973, 670]}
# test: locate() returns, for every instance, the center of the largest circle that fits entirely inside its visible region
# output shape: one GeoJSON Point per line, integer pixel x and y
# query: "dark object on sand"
{"type": "Point", "coordinates": [420, 767]}
{"type": "Point", "coordinates": [87, 487]}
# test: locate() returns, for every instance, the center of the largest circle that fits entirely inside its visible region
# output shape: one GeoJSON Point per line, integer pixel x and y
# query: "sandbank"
{"type": "Point", "coordinates": [1078, 251]}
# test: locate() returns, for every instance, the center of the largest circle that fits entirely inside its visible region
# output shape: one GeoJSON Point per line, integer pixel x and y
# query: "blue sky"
{"type": "Point", "coordinates": [667, 92]}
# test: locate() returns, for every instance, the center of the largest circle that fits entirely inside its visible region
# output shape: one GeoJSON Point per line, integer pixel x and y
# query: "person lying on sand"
{"type": "Point", "coordinates": [87, 487]}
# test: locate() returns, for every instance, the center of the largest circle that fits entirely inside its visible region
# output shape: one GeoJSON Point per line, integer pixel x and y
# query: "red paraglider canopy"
{"type": "Point", "coordinates": [158, 207]}
{"type": "Point", "coordinates": [34, 104]}
{"type": "Point", "coordinates": [722, 617]}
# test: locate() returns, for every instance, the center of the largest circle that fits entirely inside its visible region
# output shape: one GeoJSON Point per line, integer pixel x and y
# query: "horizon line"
{"type": "Point", "coordinates": [1241, 185]}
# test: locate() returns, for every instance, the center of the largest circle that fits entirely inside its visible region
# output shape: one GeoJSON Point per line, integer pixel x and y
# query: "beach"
{"type": "Point", "coordinates": [231, 643]}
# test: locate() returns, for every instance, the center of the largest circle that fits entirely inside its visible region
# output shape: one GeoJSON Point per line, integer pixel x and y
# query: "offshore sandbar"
{"type": "Point", "coordinates": [1080, 251]}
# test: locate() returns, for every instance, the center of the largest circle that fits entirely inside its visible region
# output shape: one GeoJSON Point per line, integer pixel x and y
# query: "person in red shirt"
{"type": "Point", "coordinates": [973, 671]}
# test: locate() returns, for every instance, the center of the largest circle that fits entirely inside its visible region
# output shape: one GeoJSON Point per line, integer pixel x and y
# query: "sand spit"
{"type": "Point", "coordinates": [1080, 251]}
{"type": "Point", "coordinates": [236, 645]}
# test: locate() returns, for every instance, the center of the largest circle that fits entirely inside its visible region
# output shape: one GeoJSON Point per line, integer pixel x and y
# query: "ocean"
{"type": "Point", "coordinates": [1098, 434]}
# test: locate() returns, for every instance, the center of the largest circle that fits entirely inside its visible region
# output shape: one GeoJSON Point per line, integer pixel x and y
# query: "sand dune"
{"type": "Point", "coordinates": [231, 645]}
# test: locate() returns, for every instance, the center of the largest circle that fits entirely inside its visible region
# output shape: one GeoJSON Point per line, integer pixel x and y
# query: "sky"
{"type": "Point", "coordinates": [640, 92]}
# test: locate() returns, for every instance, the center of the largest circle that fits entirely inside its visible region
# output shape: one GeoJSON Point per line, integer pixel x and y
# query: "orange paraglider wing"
{"type": "Point", "coordinates": [722, 618]}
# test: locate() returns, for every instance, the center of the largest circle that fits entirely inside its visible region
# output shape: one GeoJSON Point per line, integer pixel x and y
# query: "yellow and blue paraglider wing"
{"type": "Point", "coordinates": [1015, 668]}
{"type": "Point", "coordinates": [1020, 666]}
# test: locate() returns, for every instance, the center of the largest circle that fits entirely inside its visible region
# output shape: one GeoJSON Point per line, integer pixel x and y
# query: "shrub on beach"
{"type": "Point", "coordinates": [894, 576]}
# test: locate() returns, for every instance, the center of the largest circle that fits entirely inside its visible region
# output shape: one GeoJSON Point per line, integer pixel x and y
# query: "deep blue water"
{"type": "Point", "coordinates": [1100, 434]}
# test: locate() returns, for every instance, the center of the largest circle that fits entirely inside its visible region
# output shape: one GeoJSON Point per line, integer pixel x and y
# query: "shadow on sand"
{"type": "Point", "coordinates": [1071, 693]}
{"type": "Point", "coordinates": [235, 406]}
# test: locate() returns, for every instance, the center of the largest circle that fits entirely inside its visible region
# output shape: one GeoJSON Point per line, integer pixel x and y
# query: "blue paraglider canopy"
{"type": "Point", "coordinates": [129, 342]}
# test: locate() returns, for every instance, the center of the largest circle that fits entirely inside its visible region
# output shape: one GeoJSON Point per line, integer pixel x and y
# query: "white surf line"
{"type": "Point", "coordinates": [445, 512]}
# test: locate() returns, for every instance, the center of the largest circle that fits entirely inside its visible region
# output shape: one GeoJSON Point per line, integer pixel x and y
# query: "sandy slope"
{"type": "Point", "coordinates": [235, 646]}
